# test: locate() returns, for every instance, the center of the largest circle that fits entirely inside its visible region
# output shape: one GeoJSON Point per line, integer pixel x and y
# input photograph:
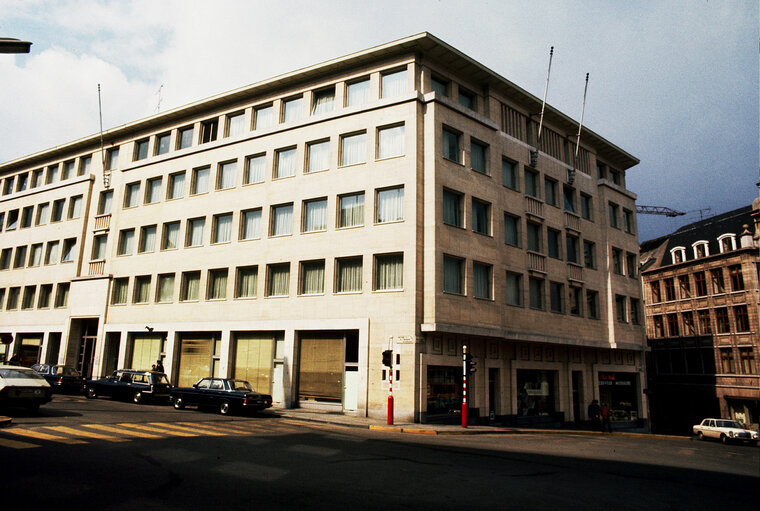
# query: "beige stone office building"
{"type": "Point", "coordinates": [290, 231]}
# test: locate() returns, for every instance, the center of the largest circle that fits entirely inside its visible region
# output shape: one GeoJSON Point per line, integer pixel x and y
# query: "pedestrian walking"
{"type": "Point", "coordinates": [606, 423]}
{"type": "Point", "coordinates": [594, 415]}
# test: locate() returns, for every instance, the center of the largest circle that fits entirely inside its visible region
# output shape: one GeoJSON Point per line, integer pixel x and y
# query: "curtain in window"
{"type": "Point", "coordinates": [391, 142]}
{"type": "Point", "coordinates": [217, 284]}
{"type": "Point", "coordinates": [353, 149]}
{"type": "Point", "coordinates": [228, 175]}
{"type": "Point", "coordinates": [478, 157]}
{"type": "Point", "coordinates": [320, 371]}
{"type": "Point", "coordinates": [254, 172]}
{"type": "Point", "coordinates": [279, 280]}
{"type": "Point", "coordinates": [236, 123]}
{"type": "Point", "coordinates": [68, 250]}
{"type": "Point", "coordinates": [390, 272]}
{"type": "Point", "coordinates": [319, 156]}
{"type": "Point", "coordinates": [293, 109]}
{"type": "Point", "coordinates": [246, 282]}
{"type": "Point", "coordinates": [98, 248]}
{"type": "Point", "coordinates": [178, 185]}
{"type": "Point", "coordinates": [393, 84]}
{"type": "Point", "coordinates": [42, 214]}
{"type": "Point", "coordinates": [283, 220]}
{"type": "Point", "coordinates": [253, 359]}
{"type": "Point", "coordinates": [323, 102]}
{"type": "Point", "coordinates": [349, 275]}
{"type": "Point", "coordinates": [171, 235]}
{"type": "Point", "coordinates": [196, 232]}
{"type": "Point", "coordinates": [194, 360]}
{"type": "Point", "coordinates": [201, 180]}
{"type": "Point", "coordinates": [286, 163]}
{"type": "Point", "coordinates": [452, 208]}
{"type": "Point", "coordinates": [106, 202]}
{"type": "Point", "coordinates": [165, 288]}
{"type": "Point", "coordinates": [192, 285]}
{"type": "Point", "coordinates": [251, 224]}
{"type": "Point", "coordinates": [52, 252]}
{"type": "Point", "coordinates": [479, 217]}
{"type": "Point", "coordinates": [76, 207]}
{"type": "Point", "coordinates": [142, 289]}
{"type": "Point", "coordinates": [62, 296]}
{"type": "Point", "coordinates": [452, 275]}
{"type": "Point", "coordinates": [316, 216]}
{"type": "Point", "coordinates": [146, 349]}
{"type": "Point", "coordinates": [148, 239]}
{"type": "Point", "coordinates": [481, 281]}
{"type": "Point", "coordinates": [451, 146]}
{"type": "Point", "coordinates": [313, 278]}
{"type": "Point", "coordinates": [352, 210]}
{"type": "Point", "coordinates": [390, 205]}
{"type": "Point", "coordinates": [513, 289]}
{"type": "Point", "coordinates": [263, 118]}
{"type": "Point", "coordinates": [510, 230]}
{"type": "Point", "coordinates": [358, 93]}
{"type": "Point", "coordinates": [35, 258]}
{"type": "Point", "coordinates": [154, 190]}
{"type": "Point", "coordinates": [508, 174]}
{"type": "Point", "coordinates": [223, 228]}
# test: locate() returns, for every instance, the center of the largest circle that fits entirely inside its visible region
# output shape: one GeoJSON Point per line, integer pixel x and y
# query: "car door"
{"type": "Point", "coordinates": [198, 392]}
{"type": "Point", "coordinates": [712, 429]}
{"type": "Point", "coordinates": [215, 394]}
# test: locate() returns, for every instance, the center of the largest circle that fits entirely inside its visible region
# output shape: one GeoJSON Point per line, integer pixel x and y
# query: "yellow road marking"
{"type": "Point", "coordinates": [120, 431]}
{"type": "Point", "coordinates": [154, 429]}
{"type": "Point", "coordinates": [16, 444]}
{"type": "Point", "coordinates": [184, 428]}
{"type": "Point", "coordinates": [44, 436]}
{"type": "Point", "coordinates": [86, 434]}
{"type": "Point", "coordinates": [215, 426]}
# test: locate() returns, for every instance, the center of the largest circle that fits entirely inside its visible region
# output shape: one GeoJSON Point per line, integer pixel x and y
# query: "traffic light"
{"type": "Point", "coordinates": [387, 358]}
{"type": "Point", "coordinates": [471, 364]}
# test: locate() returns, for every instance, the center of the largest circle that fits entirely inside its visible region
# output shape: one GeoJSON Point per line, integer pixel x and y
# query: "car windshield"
{"type": "Point", "coordinates": [20, 373]}
{"type": "Point", "coordinates": [728, 424]}
{"type": "Point", "coordinates": [241, 386]}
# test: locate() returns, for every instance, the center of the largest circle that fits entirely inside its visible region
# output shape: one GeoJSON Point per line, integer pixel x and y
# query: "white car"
{"type": "Point", "coordinates": [725, 430]}
{"type": "Point", "coordinates": [21, 386]}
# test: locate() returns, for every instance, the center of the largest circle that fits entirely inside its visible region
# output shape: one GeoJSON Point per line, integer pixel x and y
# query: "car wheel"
{"type": "Point", "coordinates": [90, 393]}
{"type": "Point", "coordinates": [138, 397]}
{"type": "Point", "coordinates": [701, 435]}
{"type": "Point", "coordinates": [724, 438]}
{"type": "Point", "coordinates": [224, 408]}
{"type": "Point", "coordinates": [179, 404]}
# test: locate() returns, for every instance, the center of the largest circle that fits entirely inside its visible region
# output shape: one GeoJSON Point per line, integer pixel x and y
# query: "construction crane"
{"type": "Point", "coordinates": [658, 210]}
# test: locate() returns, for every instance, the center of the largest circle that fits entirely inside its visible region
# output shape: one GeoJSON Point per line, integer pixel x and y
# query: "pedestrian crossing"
{"type": "Point", "coordinates": [31, 437]}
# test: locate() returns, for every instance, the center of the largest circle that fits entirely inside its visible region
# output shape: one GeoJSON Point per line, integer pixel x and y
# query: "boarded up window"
{"type": "Point", "coordinates": [194, 359]}
{"type": "Point", "coordinates": [320, 371]}
{"type": "Point", "coordinates": [146, 349]}
{"type": "Point", "coordinates": [253, 359]}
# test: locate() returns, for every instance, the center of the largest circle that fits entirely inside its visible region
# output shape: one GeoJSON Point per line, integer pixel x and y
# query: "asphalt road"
{"type": "Point", "coordinates": [105, 454]}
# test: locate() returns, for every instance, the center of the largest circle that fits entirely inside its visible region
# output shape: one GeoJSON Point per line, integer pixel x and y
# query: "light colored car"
{"type": "Point", "coordinates": [725, 430]}
{"type": "Point", "coordinates": [21, 386]}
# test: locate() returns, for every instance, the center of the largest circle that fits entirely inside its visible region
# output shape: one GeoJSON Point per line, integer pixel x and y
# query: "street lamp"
{"type": "Point", "coordinates": [10, 45]}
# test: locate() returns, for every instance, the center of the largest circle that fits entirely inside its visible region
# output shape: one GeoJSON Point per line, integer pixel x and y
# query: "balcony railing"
{"type": "Point", "coordinates": [102, 222]}
{"type": "Point", "coordinates": [572, 221]}
{"type": "Point", "coordinates": [534, 206]}
{"type": "Point", "coordinates": [536, 262]}
{"type": "Point", "coordinates": [575, 272]}
{"type": "Point", "coordinates": [97, 268]}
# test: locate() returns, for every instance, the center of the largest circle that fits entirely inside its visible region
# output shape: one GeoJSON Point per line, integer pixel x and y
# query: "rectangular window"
{"type": "Point", "coordinates": [176, 188]}
{"type": "Point", "coordinates": [586, 206]}
{"type": "Point", "coordinates": [312, 277]}
{"type": "Point", "coordinates": [688, 323]}
{"type": "Point", "coordinates": [28, 212]}
{"type": "Point", "coordinates": [69, 245]}
{"type": "Point", "coordinates": [194, 236]}
{"type": "Point", "coordinates": [5, 258]}
{"type": "Point", "coordinates": [255, 168]}
{"type": "Point", "coordinates": [700, 283]}
{"type": "Point", "coordinates": [132, 195]}
{"type": "Point", "coordinates": [120, 289]}
{"type": "Point", "coordinates": [553, 239]}
{"type": "Point", "coordinates": [323, 101]}
{"type": "Point", "coordinates": [43, 210]}
{"type": "Point", "coordinates": [705, 323]}
{"type": "Point", "coordinates": [550, 191]}
{"type": "Point", "coordinates": [571, 249]}
{"type": "Point", "coordinates": [718, 284]}
{"type": "Point", "coordinates": [741, 318]}
{"type": "Point", "coordinates": [737, 280]}
{"type": "Point", "coordinates": [620, 311]}
{"type": "Point", "coordinates": [235, 125]}
{"type": "Point", "coordinates": [514, 289]}
{"type": "Point", "coordinates": [357, 93]}
{"type": "Point", "coordinates": [292, 109]}
{"type": "Point", "coordinates": [592, 304]}
{"type": "Point", "coordinates": [628, 221]}
{"type": "Point", "coordinates": [67, 173]}
{"type": "Point", "coordinates": [85, 164]}
{"type": "Point", "coordinates": [112, 158]}
{"type": "Point", "coordinates": [568, 196]}
{"type": "Point", "coordinates": [353, 149]}
{"type": "Point", "coordinates": [51, 252]}
{"type": "Point", "coordinates": [99, 247]}
{"type": "Point", "coordinates": [75, 208]}
{"type": "Point", "coordinates": [315, 215]}
{"type": "Point", "coordinates": [439, 86]}
{"type": "Point", "coordinates": [141, 149]}
{"type": "Point", "coordinates": [209, 130]}
{"type": "Point", "coordinates": [147, 239]}
{"type": "Point", "coordinates": [105, 202]}
{"type": "Point", "coordinates": [614, 213]}
{"type": "Point", "coordinates": [278, 279]}
{"type": "Point", "coordinates": [170, 236]}
{"type": "Point", "coordinates": [62, 295]}
{"type": "Point", "coordinates": [190, 286]}
{"type": "Point", "coordinates": [575, 301]}
{"type": "Point", "coordinates": [250, 224]}
{"type": "Point", "coordinates": [509, 174]}
{"type": "Point", "coordinates": [19, 261]}
{"type": "Point", "coordinates": [390, 142]}
{"type": "Point", "coordinates": [282, 220]}
{"type": "Point", "coordinates": [351, 210]}
{"type": "Point", "coordinates": [466, 99]}
{"type": "Point", "coordinates": [46, 291]}
{"type": "Point", "coordinates": [453, 208]}
{"type": "Point", "coordinates": [165, 288]}
{"type": "Point", "coordinates": [263, 117]}
{"type": "Point", "coordinates": [13, 216]}
{"type": "Point", "coordinates": [534, 237]}
{"type": "Point", "coordinates": [185, 137]}
{"type": "Point", "coordinates": [531, 183]}
{"type": "Point", "coordinates": [672, 320]}
{"type": "Point", "coordinates": [217, 284]}
{"type": "Point", "coordinates": [390, 205]}
{"type": "Point", "coordinates": [141, 292]}
{"type": "Point", "coordinates": [389, 272]}
{"type": "Point", "coordinates": [13, 295]}
{"type": "Point", "coordinates": [35, 254]}
{"type": "Point", "coordinates": [617, 261]}
{"type": "Point", "coordinates": [670, 289]}
{"type": "Point", "coordinates": [246, 281]}
{"type": "Point", "coordinates": [349, 275]}
{"type": "Point", "coordinates": [481, 280]}
{"type": "Point", "coordinates": [721, 320]}
{"type": "Point", "coordinates": [453, 275]}
{"type": "Point", "coordinates": [226, 175]}
{"type": "Point", "coordinates": [56, 215]}
{"type": "Point", "coordinates": [51, 176]}
{"type": "Point", "coordinates": [684, 284]}
{"type": "Point", "coordinates": [393, 84]}
{"type": "Point", "coordinates": [536, 293]}
{"type": "Point", "coordinates": [511, 230]}
{"type": "Point", "coordinates": [318, 156]}
{"type": "Point", "coordinates": [452, 145]}
{"type": "Point", "coordinates": [37, 178]}
{"type": "Point", "coordinates": [161, 143]}
{"type": "Point", "coordinates": [481, 217]}
{"type": "Point", "coordinates": [285, 163]}
{"type": "Point", "coordinates": [478, 157]}
{"type": "Point", "coordinates": [200, 180]}
{"type": "Point", "coordinates": [126, 242]}
{"type": "Point", "coordinates": [556, 297]}
{"type": "Point", "coordinates": [726, 360]}
{"type": "Point", "coordinates": [631, 265]}
{"type": "Point", "coordinates": [153, 190]}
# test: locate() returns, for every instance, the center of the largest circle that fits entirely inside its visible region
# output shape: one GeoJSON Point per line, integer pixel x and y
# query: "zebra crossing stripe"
{"type": "Point", "coordinates": [39, 435]}
{"type": "Point", "coordinates": [120, 431]}
{"type": "Point", "coordinates": [16, 444]}
{"type": "Point", "coordinates": [216, 426]}
{"type": "Point", "coordinates": [87, 434]}
{"type": "Point", "coordinates": [153, 429]}
{"type": "Point", "coordinates": [187, 429]}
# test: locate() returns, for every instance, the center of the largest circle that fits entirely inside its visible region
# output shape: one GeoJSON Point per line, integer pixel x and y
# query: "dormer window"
{"type": "Point", "coordinates": [701, 249]}
{"type": "Point", "coordinates": [727, 243]}
{"type": "Point", "coordinates": [678, 254]}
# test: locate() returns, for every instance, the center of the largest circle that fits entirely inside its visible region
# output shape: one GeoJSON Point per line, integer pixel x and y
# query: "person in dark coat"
{"type": "Point", "coordinates": [606, 414]}
{"type": "Point", "coordinates": [159, 366]}
{"type": "Point", "coordinates": [595, 414]}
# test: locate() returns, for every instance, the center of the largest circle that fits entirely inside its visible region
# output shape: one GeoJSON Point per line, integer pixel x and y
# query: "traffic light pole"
{"type": "Point", "coordinates": [464, 386]}
{"type": "Point", "coordinates": [390, 393]}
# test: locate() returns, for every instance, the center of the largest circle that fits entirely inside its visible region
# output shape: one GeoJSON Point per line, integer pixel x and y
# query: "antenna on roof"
{"type": "Point", "coordinates": [534, 154]}
{"type": "Point", "coordinates": [158, 93]}
{"type": "Point", "coordinates": [571, 173]}
{"type": "Point", "coordinates": [106, 174]}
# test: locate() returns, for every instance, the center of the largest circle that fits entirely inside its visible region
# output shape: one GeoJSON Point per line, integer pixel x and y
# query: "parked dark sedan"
{"type": "Point", "coordinates": [61, 378]}
{"type": "Point", "coordinates": [226, 395]}
{"type": "Point", "coordinates": [131, 384]}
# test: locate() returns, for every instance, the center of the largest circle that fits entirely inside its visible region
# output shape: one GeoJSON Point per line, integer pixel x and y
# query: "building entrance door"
{"type": "Point", "coordinates": [86, 355]}
{"type": "Point", "coordinates": [577, 395]}
{"type": "Point", "coordinates": [493, 391]}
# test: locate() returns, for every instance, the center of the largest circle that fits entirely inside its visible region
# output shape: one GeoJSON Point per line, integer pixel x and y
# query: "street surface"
{"type": "Point", "coordinates": [104, 454]}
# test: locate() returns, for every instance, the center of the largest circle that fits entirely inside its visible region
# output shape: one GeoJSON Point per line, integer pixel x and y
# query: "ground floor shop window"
{"type": "Point", "coordinates": [444, 390]}
{"type": "Point", "coordinates": [198, 358]}
{"type": "Point", "coordinates": [618, 392]}
{"type": "Point", "coordinates": [537, 391]}
{"type": "Point", "coordinates": [320, 368]}
{"type": "Point", "coordinates": [253, 359]}
{"type": "Point", "coordinates": [146, 350]}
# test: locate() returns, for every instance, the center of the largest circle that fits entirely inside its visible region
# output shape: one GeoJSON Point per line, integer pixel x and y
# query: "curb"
{"type": "Point", "coordinates": [5, 421]}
